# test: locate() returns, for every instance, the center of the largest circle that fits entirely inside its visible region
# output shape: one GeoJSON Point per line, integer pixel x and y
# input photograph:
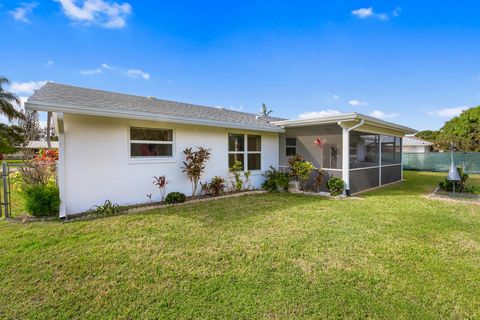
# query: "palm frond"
{"type": "Point", "coordinates": [8, 96]}
{"type": "Point", "coordinates": [6, 102]}
{"type": "Point", "coordinates": [4, 80]}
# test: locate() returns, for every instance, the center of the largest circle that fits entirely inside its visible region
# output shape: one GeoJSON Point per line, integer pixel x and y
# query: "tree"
{"type": "Point", "coordinates": [30, 125]}
{"type": "Point", "coordinates": [427, 135]}
{"type": "Point", "coordinates": [49, 129]}
{"type": "Point", "coordinates": [265, 112]}
{"type": "Point", "coordinates": [11, 137]}
{"type": "Point", "coordinates": [431, 136]}
{"type": "Point", "coordinates": [6, 102]}
{"type": "Point", "coordinates": [463, 131]}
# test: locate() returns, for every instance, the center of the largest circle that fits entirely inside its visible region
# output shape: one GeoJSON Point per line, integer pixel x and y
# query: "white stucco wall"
{"type": "Point", "coordinates": [416, 149]}
{"type": "Point", "coordinates": [98, 167]}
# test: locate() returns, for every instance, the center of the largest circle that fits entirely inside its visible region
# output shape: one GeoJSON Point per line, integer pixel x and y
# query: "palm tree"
{"type": "Point", "coordinates": [264, 111]}
{"type": "Point", "coordinates": [6, 102]}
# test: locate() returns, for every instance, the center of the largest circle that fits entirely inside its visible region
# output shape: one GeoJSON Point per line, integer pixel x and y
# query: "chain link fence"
{"type": "Point", "coordinates": [440, 161]}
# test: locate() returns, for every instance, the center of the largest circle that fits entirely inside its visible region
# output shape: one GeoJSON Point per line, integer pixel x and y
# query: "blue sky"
{"type": "Point", "coordinates": [411, 62]}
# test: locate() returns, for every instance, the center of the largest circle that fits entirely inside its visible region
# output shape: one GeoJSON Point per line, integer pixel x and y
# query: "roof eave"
{"type": "Point", "coordinates": [344, 117]}
{"type": "Point", "coordinates": [33, 104]}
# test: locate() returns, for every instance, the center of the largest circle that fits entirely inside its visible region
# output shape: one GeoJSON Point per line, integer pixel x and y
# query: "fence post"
{"type": "Point", "coordinates": [5, 188]}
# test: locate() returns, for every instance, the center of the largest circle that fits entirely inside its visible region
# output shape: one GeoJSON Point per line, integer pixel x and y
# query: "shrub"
{"type": "Point", "coordinates": [41, 200]}
{"type": "Point", "coordinates": [246, 183]}
{"type": "Point", "coordinates": [336, 186]}
{"type": "Point", "coordinates": [447, 185]}
{"type": "Point", "coordinates": [194, 165]}
{"type": "Point", "coordinates": [275, 180]}
{"type": "Point", "coordinates": [302, 170]}
{"type": "Point", "coordinates": [473, 189]}
{"type": "Point", "coordinates": [175, 197]}
{"type": "Point", "coordinates": [291, 161]}
{"type": "Point", "coordinates": [215, 187]}
{"type": "Point", "coordinates": [161, 182]}
{"type": "Point", "coordinates": [38, 172]}
{"type": "Point", "coordinates": [106, 209]}
{"type": "Point", "coordinates": [236, 169]}
{"type": "Point", "coordinates": [319, 179]}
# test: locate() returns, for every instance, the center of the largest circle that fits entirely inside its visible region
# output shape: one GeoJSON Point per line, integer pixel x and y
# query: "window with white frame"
{"type": "Point", "coordinates": [151, 143]}
{"type": "Point", "coordinates": [249, 154]}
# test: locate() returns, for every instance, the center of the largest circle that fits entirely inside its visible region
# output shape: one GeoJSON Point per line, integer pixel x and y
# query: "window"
{"type": "Point", "coordinates": [254, 152]}
{"type": "Point", "coordinates": [330, 156]}
{"type": "Point", "coordinates": [363, 150]}
{"type": "Point", "coordinates": [250, 157]}
{"type": "Point", "coordinates": [291, 147]}
{"type": "Point", "coordinates": [391, 150]}
{"type": "Point", "coordinates": [151, 143]}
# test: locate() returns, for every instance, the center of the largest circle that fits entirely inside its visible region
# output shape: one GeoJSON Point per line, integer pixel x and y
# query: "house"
{"type": "Point", "coordinates": [112, 144]}
{"type": "Point", "coordinates": [32, 148]}
{"type": "Point", "coordinates": [412, 144]}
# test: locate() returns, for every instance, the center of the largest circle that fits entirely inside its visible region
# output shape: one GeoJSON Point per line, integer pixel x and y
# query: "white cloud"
{"type": "Point", "coordinates": [90, 72]}
{"type": "Point", "coordinates": [382, 115]}
{"type": "Point", "coordinates": [396, 12]}
{"type": "Point", "coordinates": [132, 73]}
{"type": "Point", "coordinates": [21, 13]}
{"type": "Point", "coordinates": [448, 112]}
{"type": "Point", "coordinates": [135, 73]}
{"type": "Point", "coordinates": [106, 14]}
{"type": "Point", "coordinates": [26, 87]}
{"type": "Point", "coordinates": [318, 114]}
{"type": "Point", "coordinates": [365, 13]}
{"type": "Point", "coordinates": [357, 103]}
{"type": "Point", "coordinates": [106, 66]}
{"type": "Point", "coordinates": [50, 63]}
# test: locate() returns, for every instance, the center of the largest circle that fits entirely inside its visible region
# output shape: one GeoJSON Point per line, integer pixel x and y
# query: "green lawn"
{"type": "Point", "coordinates": [394, 254]}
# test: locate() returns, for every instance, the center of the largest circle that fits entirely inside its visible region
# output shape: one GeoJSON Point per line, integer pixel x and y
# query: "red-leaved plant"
{"type": "Point", "coordinates": [41, 169]}
{"type": "Point", "coordinates": [194, 165]}
{"type": "Point", "coordinates": [161, 182]}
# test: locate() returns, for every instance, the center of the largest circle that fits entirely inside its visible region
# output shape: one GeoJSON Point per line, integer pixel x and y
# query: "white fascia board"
{"type": "Point", "coordinates": [344, 117]}
{"type": "Point", "coordinates": [55, 107]}
{"type": "Point", "coordinates": [314, 121]}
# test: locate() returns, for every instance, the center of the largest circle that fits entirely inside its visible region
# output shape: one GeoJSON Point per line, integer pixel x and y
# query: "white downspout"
{"type": "Point", "coordinates": [61, 164]}
{"type": "Point", "coordinates": [346, 154]}
{"type": "Point", "coordinates": [380, 159]}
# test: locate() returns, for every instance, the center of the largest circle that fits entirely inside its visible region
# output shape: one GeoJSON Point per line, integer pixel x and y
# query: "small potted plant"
{"type": "Point", "coordinates": [299, 171]}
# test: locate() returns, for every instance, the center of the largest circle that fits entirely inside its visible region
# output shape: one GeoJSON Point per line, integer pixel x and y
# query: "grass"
{"type": "Point", "coordinates": [394, 254]}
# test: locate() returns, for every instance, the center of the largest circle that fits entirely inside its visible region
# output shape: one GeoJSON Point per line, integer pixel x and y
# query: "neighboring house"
{"type": "Point", "coordinates": [412, 144]}
{"type": "Point", "coordinates": [32, 148]}
{"type": "Point", "coordinates": [112, 144]}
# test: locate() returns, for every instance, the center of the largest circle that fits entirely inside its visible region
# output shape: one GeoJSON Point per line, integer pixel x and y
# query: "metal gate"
{"type": "Point", "coordinates": [5, 194]}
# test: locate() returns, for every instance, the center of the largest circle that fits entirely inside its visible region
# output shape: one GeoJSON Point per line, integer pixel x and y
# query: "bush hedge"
{"type": "Point", "coordinates": [175, 197]}
{"type": "Point", "coordinates": [41, 200]}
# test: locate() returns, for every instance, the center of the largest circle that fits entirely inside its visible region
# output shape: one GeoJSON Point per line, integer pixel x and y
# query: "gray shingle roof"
{"type": "Point", "coordinates": [55, 94]}
{"type": "Point", "coordinates": [414, 141]}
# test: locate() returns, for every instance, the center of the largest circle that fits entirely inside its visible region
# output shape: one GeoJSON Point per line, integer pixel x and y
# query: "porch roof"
{"type": "Point", "coordinates": [370, 124]}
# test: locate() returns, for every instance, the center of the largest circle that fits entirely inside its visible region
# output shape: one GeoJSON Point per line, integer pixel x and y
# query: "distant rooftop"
{"type": "Point", "coordinates": [36, 144]}
{"type": "Point", "coordinates": [414, 141]}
